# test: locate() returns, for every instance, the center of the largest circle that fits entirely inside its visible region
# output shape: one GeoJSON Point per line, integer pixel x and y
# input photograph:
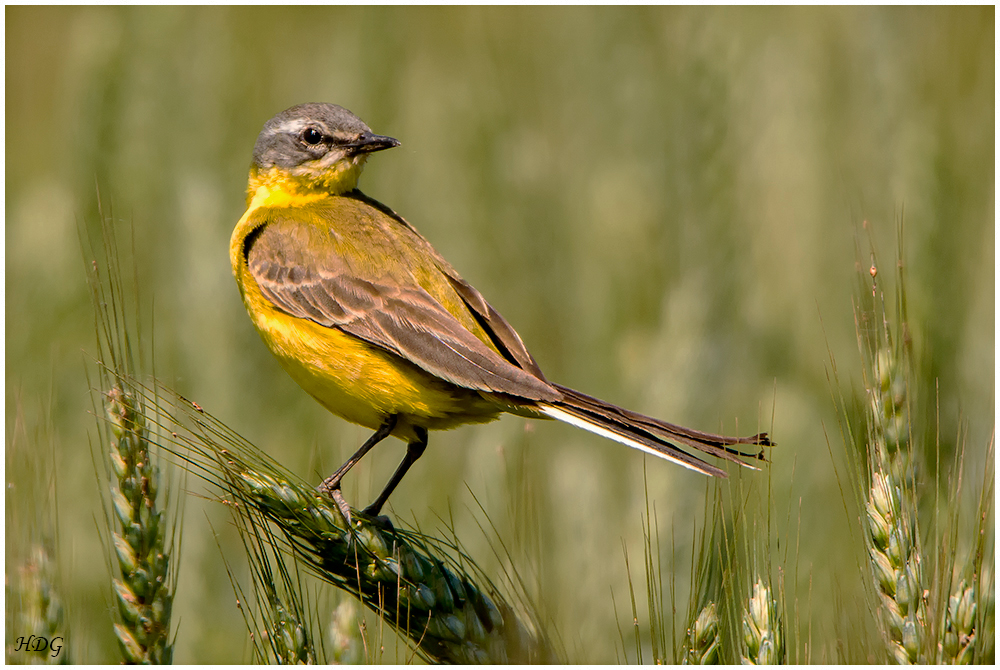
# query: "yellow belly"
{"type": "Point", "coordinates": [360, 382]}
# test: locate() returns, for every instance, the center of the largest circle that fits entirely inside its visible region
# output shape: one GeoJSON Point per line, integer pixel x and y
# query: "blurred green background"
{"type": "Point", "coordinates": [665, 202]}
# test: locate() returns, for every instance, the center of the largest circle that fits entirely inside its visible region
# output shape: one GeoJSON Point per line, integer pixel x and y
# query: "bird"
{"type": "Point", "coordinates": [369, 319]}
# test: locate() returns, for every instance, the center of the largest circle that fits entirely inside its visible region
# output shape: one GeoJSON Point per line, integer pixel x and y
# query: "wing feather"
{"type": "Point", "coordinates": [311, 273]}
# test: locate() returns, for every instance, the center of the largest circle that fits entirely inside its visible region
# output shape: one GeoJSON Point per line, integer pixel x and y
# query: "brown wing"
{"type": "Point", "coordinates": [503, 335]}
{"type": "Point", "coordinates": [367, 277]}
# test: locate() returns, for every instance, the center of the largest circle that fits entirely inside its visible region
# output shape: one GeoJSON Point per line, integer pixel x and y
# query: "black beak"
{"type": "Point", "coordinates": [370, 142]}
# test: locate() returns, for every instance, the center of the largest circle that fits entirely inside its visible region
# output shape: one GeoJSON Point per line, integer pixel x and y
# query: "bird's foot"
{"type": "Point", "coordinates": [332, 489]}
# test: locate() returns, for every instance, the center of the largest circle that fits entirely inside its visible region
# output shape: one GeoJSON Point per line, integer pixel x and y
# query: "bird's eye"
{"type": "Point", "coordinates": [312, 136]}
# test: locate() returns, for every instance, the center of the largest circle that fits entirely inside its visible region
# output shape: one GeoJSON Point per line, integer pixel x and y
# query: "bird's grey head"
{"type": "Point", "coordinates": [312, 137]}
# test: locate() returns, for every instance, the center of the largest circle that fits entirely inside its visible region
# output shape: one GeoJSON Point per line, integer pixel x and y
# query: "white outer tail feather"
{"type": "Point", "coordinates": [566, 417]}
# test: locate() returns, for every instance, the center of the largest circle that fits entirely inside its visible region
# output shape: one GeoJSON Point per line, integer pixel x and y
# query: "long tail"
{"type": "Point", "coordinates": [651, 435]}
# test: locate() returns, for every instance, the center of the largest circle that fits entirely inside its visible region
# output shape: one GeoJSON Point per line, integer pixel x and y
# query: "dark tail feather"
{"type": "Point", "coordinates": [652, 435]}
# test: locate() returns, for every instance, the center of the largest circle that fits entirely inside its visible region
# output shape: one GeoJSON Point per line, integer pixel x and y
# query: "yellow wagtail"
{"type": "Point", "coordinates": [365, 315]}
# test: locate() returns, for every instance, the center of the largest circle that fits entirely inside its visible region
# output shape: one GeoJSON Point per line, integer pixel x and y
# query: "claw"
{"type": "Point", "coordinates": [338, 498]}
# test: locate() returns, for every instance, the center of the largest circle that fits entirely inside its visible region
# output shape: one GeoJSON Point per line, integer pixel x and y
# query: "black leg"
{"type": "Point", "coordinates": [413, 452]}
{"type": "Point", "coordinates": [332, 483]}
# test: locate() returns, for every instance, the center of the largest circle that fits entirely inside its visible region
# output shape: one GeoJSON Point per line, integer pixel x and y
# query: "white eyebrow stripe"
{"type": "Point", "coordinates": [291, 126]}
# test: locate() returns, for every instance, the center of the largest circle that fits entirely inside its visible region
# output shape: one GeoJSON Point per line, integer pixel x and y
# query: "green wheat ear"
{"type": "Point", "coordinates": [280, 622]}
{"type": "Point", "coordinates": [701, 645]}
{"type": "Point", "coordinates": [36, 623]}
{"type": "Point", "coordinates": [450, 613]}
{"type": "Point", "coordinates": [958, 645]}
{"type": "Point", "coordinates": [762, 632]}
{"type": "Point", "coordinates": [35, 611]}
{"type": "Point", "coordinates": [144, 578]}
{"type": "Point", "coordinates": [891, 497]}
{"type": "Point", "coordinates": [347, 645]}
{"type": "Point", "coordinates": [924, 615]}
{"type": "Point", "coordinates": [966, 611]}
{"type": "Point", "coordinates": [443, 611]}
{"type": "Point", "coordinates": [143, 588]}
{"type": "Point", "coordinates": [891, 507]}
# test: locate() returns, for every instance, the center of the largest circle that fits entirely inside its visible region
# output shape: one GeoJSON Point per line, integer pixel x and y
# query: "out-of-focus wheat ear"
{"type": "Point", "coordinates": [36, 630]}
{"type": "Point", "coordinates": [347, 646]}
{"type": "Point", "coordinates": [701, 644]}
{"type": "Point", "coordinates": [143, 586]}
{"type": "Point", "coordinates": [959, 630]}
{"type": "Point", "coordinates": [36, 625]}
{"type": "Point", "coordinates": [762, 632]}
